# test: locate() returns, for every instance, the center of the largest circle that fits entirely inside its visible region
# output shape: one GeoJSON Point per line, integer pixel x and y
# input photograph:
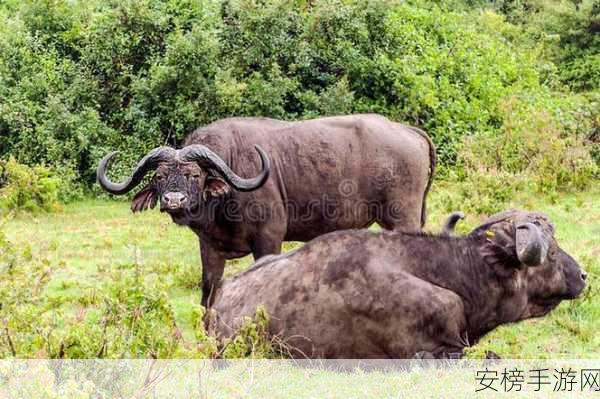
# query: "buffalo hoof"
{"type": "Point", "coordinates": [423, 355]}
{"type": "Point", "coordinates": [491, 355]}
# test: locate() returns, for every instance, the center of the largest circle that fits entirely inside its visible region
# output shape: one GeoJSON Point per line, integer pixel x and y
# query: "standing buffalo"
{"type": "Point", "coordinates": [364, 294]}
{"type": "Point", "coordinates": [326, 174]}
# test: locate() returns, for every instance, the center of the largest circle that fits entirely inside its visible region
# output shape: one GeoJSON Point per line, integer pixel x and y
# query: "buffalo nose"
{"type": "Point", "coordinates": [174, 199]}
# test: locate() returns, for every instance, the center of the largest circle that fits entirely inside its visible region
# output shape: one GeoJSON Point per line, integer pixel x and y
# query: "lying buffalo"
{"type": "Point", "coordinates": [326, 174]}
{"type": "Point", "coordinates": [364, 294]}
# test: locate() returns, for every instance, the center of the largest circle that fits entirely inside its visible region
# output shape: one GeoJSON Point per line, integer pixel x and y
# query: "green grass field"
{"type": "Point", "coordinates": [80, 270]}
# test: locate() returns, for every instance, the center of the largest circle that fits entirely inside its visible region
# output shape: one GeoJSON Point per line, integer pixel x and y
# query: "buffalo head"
{"type": "Point", "coordinates": [183, 181]}
{"type": "Point", "coordinates": [516, 241]}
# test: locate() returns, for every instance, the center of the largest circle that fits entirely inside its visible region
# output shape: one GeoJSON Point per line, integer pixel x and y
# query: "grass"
{"type": "Point", "coordinates": [278, 379]}
{"type": "Point", "coordinates": [94, 253]}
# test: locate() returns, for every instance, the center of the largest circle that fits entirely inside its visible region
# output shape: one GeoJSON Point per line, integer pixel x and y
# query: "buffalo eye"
{"type": "Point", "coordinates": [192, 176]}
{"type": "Point", "coordinates": [160, 177]}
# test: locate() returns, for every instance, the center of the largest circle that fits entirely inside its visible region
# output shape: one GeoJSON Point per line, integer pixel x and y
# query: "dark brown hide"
{"type": "Point", "coordinates": [363, 294]}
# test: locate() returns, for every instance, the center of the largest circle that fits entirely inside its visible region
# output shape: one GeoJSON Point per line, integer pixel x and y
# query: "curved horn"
{"type": "Point", "coordinates": [149, 162]}
{"type": "Point", "coordinates": [450, 223]}
{"type": "Point", "coordinates": [205, 157]}
{"type": "Point", "coordinates": [531, 246]}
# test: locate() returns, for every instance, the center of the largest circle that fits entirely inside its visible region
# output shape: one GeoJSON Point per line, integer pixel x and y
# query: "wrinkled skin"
{"type": "Point", "coordinates": [388, 166]}
{"type": "Point", "coordinates": [363, 294]}
{"type": "Point", "coordinates": [194, 185]}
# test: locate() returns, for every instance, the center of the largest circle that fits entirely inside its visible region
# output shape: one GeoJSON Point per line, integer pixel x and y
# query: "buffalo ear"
{"type": "Point", "coordinates": [144, 199]}
{"type": "Point", "coordinates": [215, 187]}
{"type": "Point", "coordinates": [498, 248]}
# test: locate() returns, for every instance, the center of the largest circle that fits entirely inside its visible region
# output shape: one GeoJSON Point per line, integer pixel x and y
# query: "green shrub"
{"type": "Point", "coordinates": [30, 189]}
{"type": "Point", "coordinates": [37, 188]}
{"type": "Point", "coordinates": [8, 255]}
{"type": "Point", "coordinates": [533, 144]}
{"type": "Point", "coordinates": [481, 192]}
{"type": "Point", "coordinates": [252, 339]}
{"type": "Point", "coordinates": [568, 32]}
{"type": "Point", "coordinates": [82, 78]}
{"type": "Point", "coordinates": [544, 148]}
{"type": "Point", "coordinates": [79, 79]}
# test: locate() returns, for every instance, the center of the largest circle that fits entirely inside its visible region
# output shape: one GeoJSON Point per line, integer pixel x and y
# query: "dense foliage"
{"type": "Point", "coordinates": [78, 79]}
{"type": "Point", "coordinates": [24, 188]}
{"type": "Point", "coordinates": [570, 32]}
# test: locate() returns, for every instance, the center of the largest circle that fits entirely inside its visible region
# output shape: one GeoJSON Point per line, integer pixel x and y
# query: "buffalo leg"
{"type": "Point", "coordinates": [491, 355]}
{"type": "Point", "coordinates": [266, 245]}
{"type": "Point", "coordinates": [400, 216]}
{"type": "Point", "coordinates": [213, 265]}
{"type": "Point", "coordinates": [450, 352]}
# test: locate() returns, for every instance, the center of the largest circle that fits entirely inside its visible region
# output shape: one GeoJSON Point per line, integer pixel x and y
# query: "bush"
{"type": "Point", "coordinates": [29, 189]}
{"type": "Point", "coordinates": [533, 143]}
{"type": "Point", "coordinates": [535, 150]}
{"type": "Point", "coordinates": [253, 340]}
{"type": "Point", "coordinates": [568, 31]}
{"type": "Point", "coordinates": [82, 78]}
{"type": "Point", "coordinates": [481, 192]}
{"type": "Point", "coordinates": [36, 188]}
